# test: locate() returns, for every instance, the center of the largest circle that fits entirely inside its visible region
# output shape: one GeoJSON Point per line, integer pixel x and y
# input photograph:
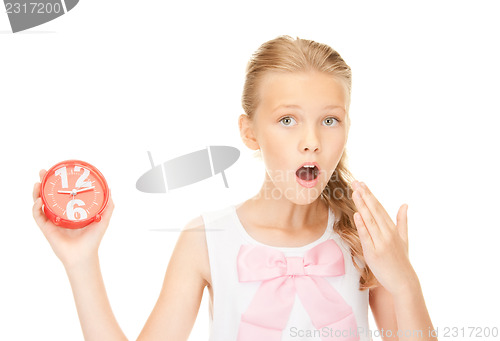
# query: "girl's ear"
{"type": "Point", "coordinates": [247, 133]}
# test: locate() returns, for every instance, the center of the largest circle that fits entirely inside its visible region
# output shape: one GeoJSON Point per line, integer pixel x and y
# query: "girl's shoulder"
{"type": "Point", "coordinates": [194, 241]}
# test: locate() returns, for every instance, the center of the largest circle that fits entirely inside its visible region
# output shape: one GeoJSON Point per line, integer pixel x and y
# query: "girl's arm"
{"type": "Point", "coordinates": [187, 274]}
{"type": "Point", "coordinates": [414, 322]}
{"type": "Point", "coordinates": [382, 307]}
{"type": "Point", "coordinates": [92, 304]}
{"type": "Point", "coordinates": [404, 312]}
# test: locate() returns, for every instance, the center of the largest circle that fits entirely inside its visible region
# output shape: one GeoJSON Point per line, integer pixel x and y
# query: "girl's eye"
{"type": "Point", "coordinates": [333, 120]}
{"type": "Point", "coordinates": [287, 118]}
{"type": "Point", "coordinates": [286, 121]}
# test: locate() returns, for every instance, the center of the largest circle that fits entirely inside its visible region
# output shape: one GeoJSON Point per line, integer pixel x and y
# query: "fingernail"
{"type": "Point", "coordinates": [363, 185]}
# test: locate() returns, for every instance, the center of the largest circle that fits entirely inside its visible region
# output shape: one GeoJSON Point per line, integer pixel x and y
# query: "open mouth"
{"type": "Point", "coordinates": [307, 172]}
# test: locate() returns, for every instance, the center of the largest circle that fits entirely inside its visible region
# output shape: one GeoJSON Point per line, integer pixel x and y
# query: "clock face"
{"type": "Point", "coordinates": [74, 191]}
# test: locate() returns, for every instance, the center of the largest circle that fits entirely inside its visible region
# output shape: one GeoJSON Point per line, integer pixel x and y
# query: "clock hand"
{"type": "Point", "coordinates": [84, 189]}
{"type": "Point", "coordinates": [75, 191]}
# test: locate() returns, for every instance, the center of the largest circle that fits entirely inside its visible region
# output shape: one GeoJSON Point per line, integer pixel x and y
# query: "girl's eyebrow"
{"type": "Point", "coordinates": [294, 106]}
{"type": "Point", "coordinates": [287, 106]}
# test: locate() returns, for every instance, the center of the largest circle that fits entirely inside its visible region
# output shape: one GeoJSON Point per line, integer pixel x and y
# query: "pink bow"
{"type": "Point", "coordinates": [282, 277]}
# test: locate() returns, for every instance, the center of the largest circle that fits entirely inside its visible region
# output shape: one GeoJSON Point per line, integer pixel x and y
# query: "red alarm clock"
{"type": "Point", "coordinates": [74, 194]}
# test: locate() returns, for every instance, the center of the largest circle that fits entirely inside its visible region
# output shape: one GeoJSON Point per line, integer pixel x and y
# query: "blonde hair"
{"type": "Point", "coordinates": [285, 54]}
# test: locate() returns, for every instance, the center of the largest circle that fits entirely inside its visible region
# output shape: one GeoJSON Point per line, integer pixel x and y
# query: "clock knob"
{"type": "Point", "coordinates": [97, 218]}
{"type": "Point", "coordinates": [58, 220]}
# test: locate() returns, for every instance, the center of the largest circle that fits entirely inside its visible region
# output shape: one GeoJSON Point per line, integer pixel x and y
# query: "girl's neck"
{"type": "Point", "coordinates": [286, 215]}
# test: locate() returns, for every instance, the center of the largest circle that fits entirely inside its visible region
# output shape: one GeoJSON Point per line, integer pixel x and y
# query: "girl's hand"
{"type": "Point", "coordinates": [71, 246]}
{"type": "Point", "coordinates": [385, 245]}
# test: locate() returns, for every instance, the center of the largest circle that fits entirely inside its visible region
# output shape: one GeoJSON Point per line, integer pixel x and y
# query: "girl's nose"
{"type": "Point", "coordinates": [310, 141]}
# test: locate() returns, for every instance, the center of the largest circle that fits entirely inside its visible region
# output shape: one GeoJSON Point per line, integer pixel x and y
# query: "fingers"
{"type": "Point", "coordinates": [381, 216]}
{"type": "Point", "coordinates": [108, 211]}
{"type": "Point", "coordinates": [38, 214]}
{"type": "Point", "coordinates": [36, 187]}
{"type": "Point", "coordinates": [42, 173]}
{"type": "Point", "coordinates": [364, 236]}
{"type": "Point", "coordinates": [368, 219]}
{"type": "Point", "coordinates": [36, 191]}
{"type": "Point", "coordinates": [402, 223]}
{"type": "Point", "coordinates": [37, 211]}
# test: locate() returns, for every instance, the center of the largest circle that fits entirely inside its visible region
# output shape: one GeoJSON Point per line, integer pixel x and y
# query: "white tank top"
{"type": "Point", "coordinates": [225, 235]}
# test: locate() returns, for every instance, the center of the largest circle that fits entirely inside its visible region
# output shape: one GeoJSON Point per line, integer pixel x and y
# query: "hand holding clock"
{"type": "Point", "coordinates": [72, 245]}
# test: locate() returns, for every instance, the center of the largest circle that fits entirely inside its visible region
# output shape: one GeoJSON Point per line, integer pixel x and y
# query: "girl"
{"type": "Point", "coordinates": [303, 258]}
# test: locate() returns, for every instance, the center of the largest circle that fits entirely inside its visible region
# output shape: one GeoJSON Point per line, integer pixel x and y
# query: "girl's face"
{"type": "Point", "coordinates": [300, 118]}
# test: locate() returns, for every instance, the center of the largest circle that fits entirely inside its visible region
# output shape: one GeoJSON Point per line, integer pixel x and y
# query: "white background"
{"type": "Point", "coordinates": [111, 80]}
